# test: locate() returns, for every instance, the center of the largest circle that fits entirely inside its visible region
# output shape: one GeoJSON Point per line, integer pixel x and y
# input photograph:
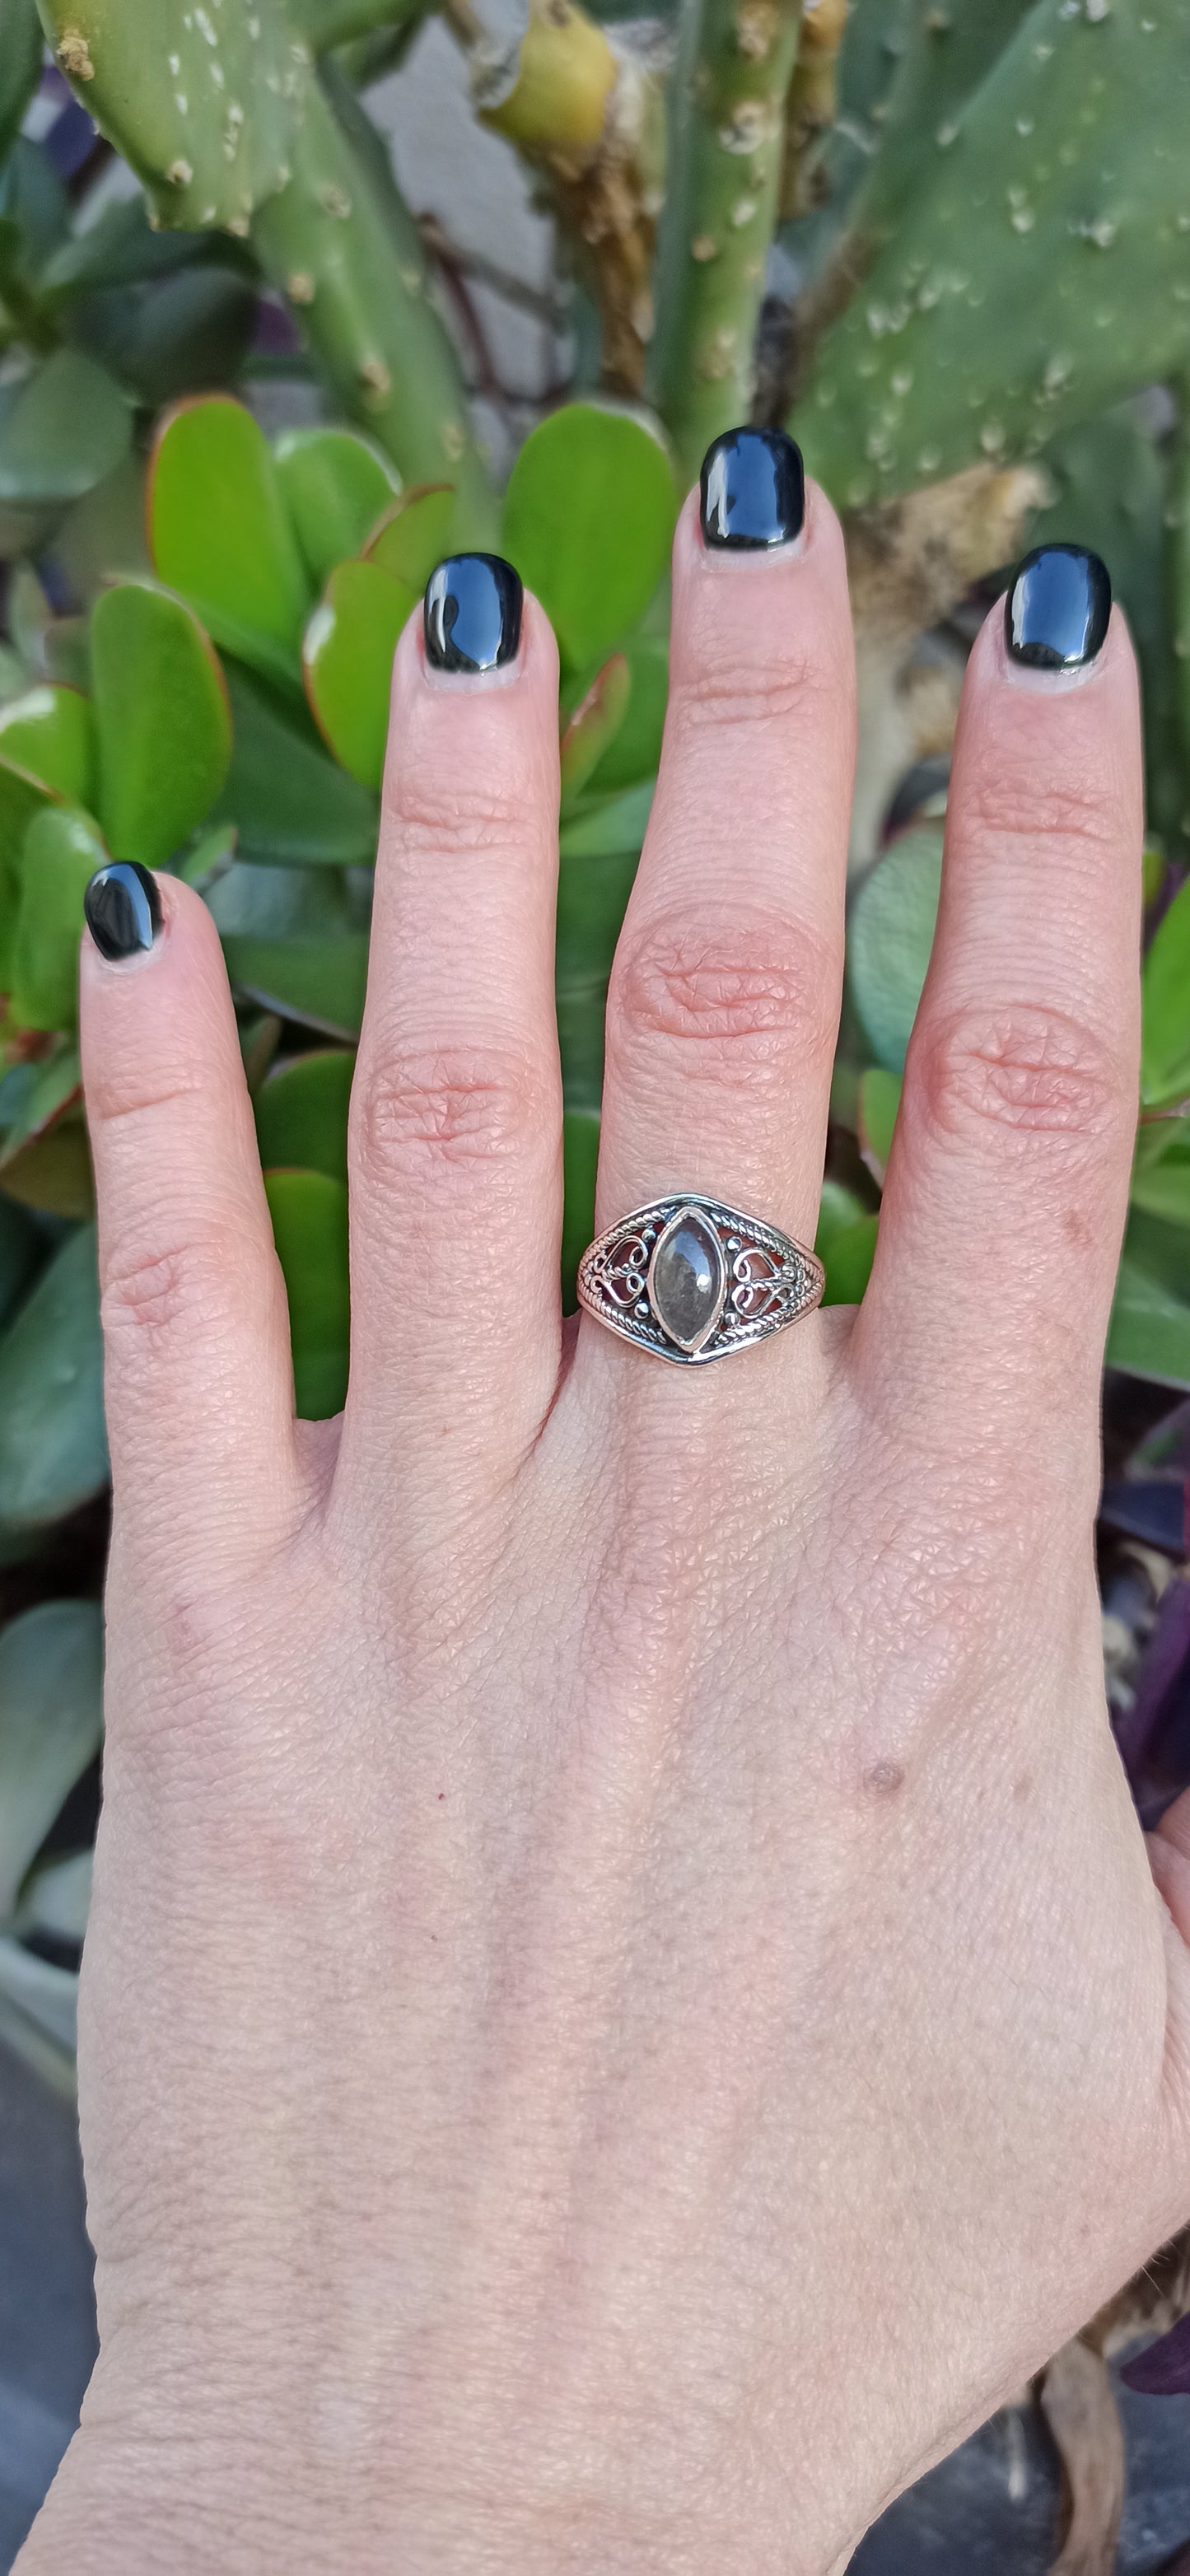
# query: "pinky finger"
{"type": "Point", "coordinates": [198, 1383]}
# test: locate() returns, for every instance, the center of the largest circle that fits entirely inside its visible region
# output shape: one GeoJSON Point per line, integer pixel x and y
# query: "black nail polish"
{"type": "Point", "coordinates": [472, 613]}
{"type": "Point", "coordinates": [753, 487]}
{"type": "Point", "coordinates": [1057, 609]}
{"type": "Point", "coordinates": [123, 909]}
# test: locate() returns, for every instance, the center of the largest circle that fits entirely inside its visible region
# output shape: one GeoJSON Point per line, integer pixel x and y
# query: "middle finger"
{"type": "Point", "coordinates": [724, 999]}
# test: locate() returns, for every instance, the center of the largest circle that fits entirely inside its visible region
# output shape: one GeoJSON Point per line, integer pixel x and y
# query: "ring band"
{"type": "Point", "coordinates": [692, 1279]}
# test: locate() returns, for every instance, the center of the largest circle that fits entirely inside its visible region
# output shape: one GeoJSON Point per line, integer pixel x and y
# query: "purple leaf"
{"type": "Point", "coordinates": [1163, 2370]}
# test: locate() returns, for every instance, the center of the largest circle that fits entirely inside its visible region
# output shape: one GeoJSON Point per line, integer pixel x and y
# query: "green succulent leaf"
{"type": "Point", "coordinates": [21, 43]}
{"type": "Point", "coordinates": [1037, 273]}
{"type": "Point", "coordinates": [21, 797]}
{"type": "Point", "coordinates": [839, 1210]}
{"type": "Point", "coordinates": [580, 1156]}
{"type": "Point", "coordinates": [61, 853]}
{"type": "Point", "coordinates": [50, 733]}
{"type": "Point", "coordinates": [1165, 1007]}
{"type": "Point", "coordinates": [301, 1112]}
{"type": "Point", "coordinates": [53, 1449]}
{"type": "Point", "coordinates": [309, 1213]}
{"type": "Point", "coordinates": [207, 112]}
{"type": "Point", "coordinates": [847, 1260]}
{"type": "Point", "coordinates": [20, 1248]}
{"type": "Point", "coordinates": [290, 806]}
{"type": "Point", "coordinates": [635, 748]}
{"type": "Point", "coordinates": [414, 534]}
{"type": "Point", "coordinates": [336, 483]}
{"type": "Point", "coordinates": [51, 1723]}
{"type": "Point", "coordinates": [879, 1101]}
{"type": "Point", "coordinates": [347, 661]}
{"type": "Point", "coordinates": [1150, 1324]}
{"type": "Point", "coordinates": [944, 57]}
{"type": "Point", "coordinates": [594, 725]}
{"type": "Point", "coordinates": [57, 1898]}
{"type": "Point", "coordinates": [1161, 1172]}
{"type": "Point", "coordinates": [45, 1160]}
{"type": "Point", "coordinates": [38, 2014]}
{"type": "Point", "coordinates": [296, 941]}
{"type": "Point", "coordinates": [63, 426]}
{"type": "Point", "coordinates": [220, 533]}
{"type": "Point", "coordinates": [889, 936]}
{"type": "Point", "coordinates": [614, 828]}
{"type": "Point", "coordinates": [588, 519]}
{"type": "Point", "coordinates": [163, 720]}
{"type": "Point", "coordinates": [170, 333]}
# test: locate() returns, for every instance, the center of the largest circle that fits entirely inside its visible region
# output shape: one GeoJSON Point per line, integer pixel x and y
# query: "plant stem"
{"type": "Point", "coordinates": [344, 248]}
{"type": "Point", "coordinates": [727, 96]}
{"type": "Point", "coordinates": [327, 23]}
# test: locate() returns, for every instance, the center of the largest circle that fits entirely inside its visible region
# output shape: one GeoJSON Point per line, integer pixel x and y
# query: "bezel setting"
{"type": "Point", "coordinates": [764, 1279]}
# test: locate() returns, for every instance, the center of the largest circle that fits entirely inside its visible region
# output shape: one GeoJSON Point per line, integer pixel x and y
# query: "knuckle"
{"type": "Point", "coordinates": [152, 1292]}
{"type": "Point", "coordinates": [450, 815]}
{"type": "Point", "coordinates": [746, 691]}
{"type": "Point", "coordinates": [725, 992]}
{"type": "Point", "coordinates": [1024, 1071]}
{"type": "Point", "coordinates": [425, 1114]}
{"type": "Point", "coordinates": [1009, 804]}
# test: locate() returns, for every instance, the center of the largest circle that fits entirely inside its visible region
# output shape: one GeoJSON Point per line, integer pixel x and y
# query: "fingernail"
{"type": "Point", "coordinates": [472, 614]}
{"type": "Point", "coordinates": [123, 909]}
{"type": "Point", "coordinates": [1058, 608]}
{"type": "Point", "coordinates": [753, 487]}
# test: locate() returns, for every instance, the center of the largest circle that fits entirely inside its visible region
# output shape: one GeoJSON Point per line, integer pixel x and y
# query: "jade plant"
{"type": "Point", "coordinates": [949, 246]}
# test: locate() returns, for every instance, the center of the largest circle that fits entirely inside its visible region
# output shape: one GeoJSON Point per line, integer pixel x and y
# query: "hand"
{"type": "Point", "coordinates": [626, 2004]}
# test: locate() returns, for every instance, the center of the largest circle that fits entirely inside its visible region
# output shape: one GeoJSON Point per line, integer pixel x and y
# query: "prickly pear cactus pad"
{"type": "Point", "coordinates": [1041, 265]}
{"type": "Point", "coordinates": [204, 97]}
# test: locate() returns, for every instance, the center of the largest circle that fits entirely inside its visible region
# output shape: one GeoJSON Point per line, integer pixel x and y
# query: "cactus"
{"type": "Point", "coordinates": [1039, 269]}
{"type": "Point", "coordinates": [723, 172]}
{"type": "Point", "coordinates": [336, 239]}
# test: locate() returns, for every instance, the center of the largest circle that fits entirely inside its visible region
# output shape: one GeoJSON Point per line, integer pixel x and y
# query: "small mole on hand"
{"type": "Point", "coordinates": [885, 1778]}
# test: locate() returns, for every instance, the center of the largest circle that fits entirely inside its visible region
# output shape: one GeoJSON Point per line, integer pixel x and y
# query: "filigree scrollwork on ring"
{"type": "Point", "coordinates": [691, 1278]}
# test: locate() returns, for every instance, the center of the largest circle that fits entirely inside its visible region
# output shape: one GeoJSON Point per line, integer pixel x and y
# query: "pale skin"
{"type": "Point", "coordinates": [626, 2005]}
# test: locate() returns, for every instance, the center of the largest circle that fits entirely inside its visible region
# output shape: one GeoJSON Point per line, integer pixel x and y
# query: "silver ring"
{"type": "Point", "coordinates": [692, 1279]}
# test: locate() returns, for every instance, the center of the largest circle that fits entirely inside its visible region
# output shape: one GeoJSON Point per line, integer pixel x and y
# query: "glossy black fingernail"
{"type": "Point", "coordinates": [753, 488]}
{"type": "Point", "coordinates": [123, 909]}
{"type": "Point", "coordinates": [472, 613]}
{"type": "Point", "coordinates": [1058, 608]}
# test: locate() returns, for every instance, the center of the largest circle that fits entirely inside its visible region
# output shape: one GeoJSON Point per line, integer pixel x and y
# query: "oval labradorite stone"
{"type": "Point", "coordinates": [687, 1280]}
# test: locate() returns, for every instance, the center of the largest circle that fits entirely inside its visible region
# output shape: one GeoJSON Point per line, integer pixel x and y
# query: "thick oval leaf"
{"type": "Point", "coordinates": [219, 532]}
{"type": "Point", "coordinates": [588, 518]}
{"type": "Point", "coordinates": [38, 2011]}
{"type": "Point", "coordinates": [879, 1101]}
{"type": "Point", "coordinates": [580, 1154]}
{"type": "Point", "coordinates": [615, 828]}
{"type": "Point", "coordinates": [45, 1158]}
{"type": "Point", "coordinates": [50, 733]}
{"type": "Point", "coordinates": [162, 717]}
{"type": "Point", "coordinates": [335, 485]}
{"type": "Point", "coordinates": [889, 937]}
{"type": "Point", "coordinates": [62, 851]}
{"type": "Point", "coordinates": [839, 1210]}
{"type": "Point", "coordinates": [62, 428]}
{"type": "Point", "coordinates": [594, 725]}
{"type": "Point", "coordinates": [309, 1213]}
{"type": "Point", "coordinates": [21, 43]}
{"type": "Point", "coordinates": [53, 1449]}
{"type": "Point", "coordinates": [21, 797]}
{"type": "Point", "coordinates": [1150, 1324]}
{"type": "Point", "coordinates": [301, 1112]}
{"type": "Point", "coordinates": [347, 660]}
{"type": "Point", "coordinates": [635, 749]}
{"type": "Point", "coordinates": [20, 1248]}
{"type": "Point", "coordinates": [414, 534]}
{"type": "Point", "coordinates": [847, 1259]}
{"type": "Point", "coordinates": [51, 1722]}
{"type": "Point", "coordinates": [57, 1899]}
{"type": "Point", "coordinates": [295, 940]}
{"type": "Point", "coordinates": [1161, 1171]}
{"type": "Point", "coordinates": [1165, 1007]}
{"type": "Point", "coordinates": [290, 806]}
